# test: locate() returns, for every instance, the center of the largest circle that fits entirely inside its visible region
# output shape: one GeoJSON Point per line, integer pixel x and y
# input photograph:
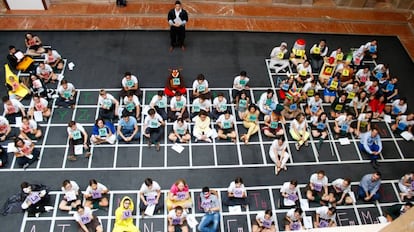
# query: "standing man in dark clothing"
{"type": "Point", "coordinates": [177, 18]}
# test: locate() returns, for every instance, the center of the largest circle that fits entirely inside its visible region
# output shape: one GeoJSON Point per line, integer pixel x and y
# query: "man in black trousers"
{"type": "Point", "coordinates": [177, 18]}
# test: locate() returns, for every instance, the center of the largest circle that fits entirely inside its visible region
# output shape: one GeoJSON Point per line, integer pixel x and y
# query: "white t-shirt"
{"type": "Point", "coordinates": [304, 70]}
{"type": "Point", "coordinates": [71, 193]}
{"type": "Point", "coordinates": [172, 214]}
{"type": "Point", "coordinates": [43, 103]}
{"type": "Point", "coordinates": [402, 108]}
{"type": "Point", "coordinates": [205, 105]}
{"type": "Point", "coordinates": [85, 218]}
{"type": "Point", "coordinates": [240, 84]}
{"type": "Point", "coordinates": [161, 103]}
{"type": "Point", "coordinates": [107, 102]}
{"type": "Point", "coordinates": [263, 101]}
{"type": "Point", "coordinates": [180, 129]}
{"type": "Point", "coordinates": [32, 126]}
{"type": "Point", "coordinates": [53, 57]}
{"type": "Point", "coordinates": [313, 103]}
{"type": "Point", "coordinates": [232, 188]}
{"type": "Point", "coordinates": [14, 107]}
{"type": "Point", "coordinates": [363, 76]}
{"type": "Point", "coordinates": [69, 89]}
{"type": "Point", "coordinates": [323, 213]}
{"type": "Point", "coordinates": [279, 149]}
{"type": "Point", "coordinates": [317, 182]}
{"type": "Point", "coordinates": [285, 189]}
{"type": "Point", "coordinates": [174, 102]}
{"type": "Point", "coordinates": [197, 86]}
{"type": "Point", "coordinates": [99, 188]}
{"type": "Point", "coordinates": [276, 52]}
{"type": "Point", "coordinates": [133, 103]}
{"type": "Point", "coordinates": [220, 105]}
{"type": "Point", "coordinates": [153, 122]}
{"type": "Point", "coordinates": [291, 215]}
{"type": "Point", "coordinates": [150, 192]}
{"type": "Point", "coordinates": [261, 217]}
{"type": "Point", "coordinates": [79, 128]}
{"type": "Point", "coordinates": [338, 183]}
{"type": "Point", "coordinates": [4, 124]}
{"type": "Point", "coordinates": [222, 119]}
{"type": "Point", "coordinates": [130, 83]}
{"type": "Point", "coordinates": [297, 125]}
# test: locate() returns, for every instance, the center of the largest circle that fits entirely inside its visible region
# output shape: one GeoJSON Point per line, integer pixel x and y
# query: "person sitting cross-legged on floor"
{"type": "Point", "coordinates": [29, 130]}
{"type": "Point", "coordinates": [67, 94]}
{"type": "Point", "coordinates": [86, 220]}
{"type": "Point", "coordinates": [325, 217]}
{"type": "Point", "coordinates": [211, 206]}
{"type": "Point", "coordinates": [72, 195]}
{"type": "Point", "coordinates": [264, 222]}
{"type": "Point", "coordinates": [293, 219]}
{"type": "Point", "coordinates": [250, 122]}
{"type": "Point", "coordinates": [108, 105]}
{"type": "Point", "coordinates": [180, 132]}
{"type": "Point", "coordinates": [127, 129]}
{"type": "Point", "coordinates": [317, 189]}
{"type": "Point", "coordinates": [225, 124]}
{"type": "Point", "coordinates": [202, 130]}
{"type": "Point", "coordinates": [150, 193]}
{"type": "Point", "coordinates": [371, 144]}
{"type": "Point", "coordinates": [289, 194]}
{"type": "Point", "coordinates": [340, 190]}
{"type": "Point", "coordinates": [103, 132]}
{"type": "Point", "coordinates": [278, 154]}
{"type": "Point", "coordinates": [77, 136]}
{"type": "Point", "coordinates": [298, 131]}
{"type": "Point", "coordinates": [406, 186]}
{"type": "Point", "coordinates": [179, 195]}
{"type": "Point", "coordinates": [124, 220]}
{"type": "Point", "coordinates": [175, 84]}
{"type": "Point", "coordinates": [96, 195]}
{"type": "Point", "coordinates": [153, 128]}
{"type": "Point", "coordinates": [35, 198]}
{"type": "Point", "coordinates": [369, 186]}
{"type": "Point", "coordinates": [177, 220]}
{"type": "Point", "coordinates": [26, 153]}
{"type": "Point", "coordinates": [236, 194]}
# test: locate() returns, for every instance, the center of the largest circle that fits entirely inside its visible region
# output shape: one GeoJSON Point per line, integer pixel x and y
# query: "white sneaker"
{"type": "Point", "coordinates": [37, 215]}
{"type": "Point", "coordinates": [297, 146]}
{"type": "Point", "coordinates": [209, 140]}
{"type": "Point", "coordinates": [54, 96]}
{"type": "Point", "coordinates": [306, 143]}
{"type": "Point", "coordinates": [48, 208]}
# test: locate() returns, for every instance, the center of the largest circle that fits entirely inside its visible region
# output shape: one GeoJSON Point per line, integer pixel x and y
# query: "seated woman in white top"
{"type": "Point", "coordinates": [202, 130]}
{"type": "Point", "coordinates": [279, 154]}
{"type": "Point", "coordinates": [317, 189]}
{"type": "Point", "coordinates": [325, 217]}
{"type": "Point", "coordinates": [180, 132]}
{"type": "Point", "coordinates": [29, 129]}
{"type": "Point", "coordinates": [177, 219]}
{"type": "Point", "coordinates": [298, 131]}
{"type": "Point", "coordinates": [289, 194]}
{"type": "Point", "coordinates": [293, 219]}
{"type": "Point", "coordinates": [225, 124]}
{"type": "Point", "coordinates": [39, 104]}
{"type": "Point", "coordinates": [96, 195]}
{"type": "Point", "coordinates": [340, 190]}
{"type": "Point", "coordinates": [264, 222]}
{"type": "Point", "coordinates": [236, 194]}
{"type": "Point", "coordinates": [200, 87]}
{"type": "Point", "coordinates": [86, 220]}
{"type": "Point", "coordinates": [72, 196]}
{"type": "Point", "coordinates": [406, 186]}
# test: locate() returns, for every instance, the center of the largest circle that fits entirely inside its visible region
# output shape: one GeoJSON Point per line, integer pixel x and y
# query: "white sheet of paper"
{"type": "Point", "coordinates": [79, 149]}
{"type": "Point", "coordinates": [214, 135]}
{"type": "Point", "coordinates": [382, 219]}
{"type": "Point", "coordinates": [19, 55]}
{"type": "Point", "coordinates": [304, 204]}
{"type": "Point", "coordinates": [307, 222]}
{"type": "Point", "coordinates": [11, 148]}
{"type": "Point", "coordinates": [288, 202]}
{"type": "Point", "coordinates": [235, 209]}
{"type": "Point", "coordinates": [344, 141]}
{"type": "Point", "coordinates": [407, 135]}
{"type": "Point", "coordinates": [150, 210]}
{"type": "Point", "coordinates": [178, 148]}
{"type": "Point", "coordinates": [192, 221]}
{"type": "Point", "coordinates": [38, 116]}
{"type": "Point", "coordinates": [71, 65]}
{"type": "Point", "coordinates": [352, 196]}
{"type": "Point", "coordinates": [387, 118]}
{"type": "Point", "coordinates": [18, 121]}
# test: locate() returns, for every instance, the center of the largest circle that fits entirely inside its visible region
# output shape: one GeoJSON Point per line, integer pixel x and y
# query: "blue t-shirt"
{"type": "Point", "coordinates": [130, 125]}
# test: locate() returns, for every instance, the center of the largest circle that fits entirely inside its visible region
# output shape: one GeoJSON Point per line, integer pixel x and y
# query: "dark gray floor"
{"type": "Point", "coordinates": [102, 57]}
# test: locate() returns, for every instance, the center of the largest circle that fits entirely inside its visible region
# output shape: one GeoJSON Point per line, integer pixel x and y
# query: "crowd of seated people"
{"type": "Point", "coordinates": [356, 95]}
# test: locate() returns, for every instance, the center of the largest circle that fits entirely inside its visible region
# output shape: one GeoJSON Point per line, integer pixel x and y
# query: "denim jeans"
{"type": "Point", "coordinates": [209, 222]}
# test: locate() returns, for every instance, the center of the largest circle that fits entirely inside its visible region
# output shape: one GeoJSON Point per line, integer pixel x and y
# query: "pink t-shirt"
{"type": "Point", "coordinates": [174, 189]}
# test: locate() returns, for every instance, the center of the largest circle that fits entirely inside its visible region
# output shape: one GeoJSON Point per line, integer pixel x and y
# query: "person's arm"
{"type": "Point", "coordinates": [393, 94]}
{"type": "Point", "coordinates": [119, 132]}
{"type": "Point", "coordinates": [135, 131]}
{"type": "Point", "coordinates": [83, 227]}
{"type": "Point", "coordinates": [364, 141]}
